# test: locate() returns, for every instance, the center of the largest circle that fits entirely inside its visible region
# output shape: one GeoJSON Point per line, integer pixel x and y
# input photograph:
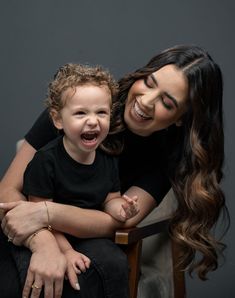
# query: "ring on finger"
{"type": "Point", "coordinates": [10, 239]}
{"type": "Point", "coordinates": [34, 286]}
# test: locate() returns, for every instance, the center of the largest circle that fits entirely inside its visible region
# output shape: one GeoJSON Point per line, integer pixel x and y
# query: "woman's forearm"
{"type": "Point", "coordinates": [83, 223]}
{"type": "Point", "coordinates": [11, 183]}
{"type": "Point", "coordinates": [24, 218]}
{"type": "Point", "coordinates": [86, 223]}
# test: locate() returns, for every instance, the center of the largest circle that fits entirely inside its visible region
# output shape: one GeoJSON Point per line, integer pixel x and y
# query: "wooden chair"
{"type": "Point", "coordinates": [131, 242]}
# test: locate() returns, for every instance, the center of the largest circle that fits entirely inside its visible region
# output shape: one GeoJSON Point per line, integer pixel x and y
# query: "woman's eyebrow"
{"type": "Point", "coordinates": [175, 102]}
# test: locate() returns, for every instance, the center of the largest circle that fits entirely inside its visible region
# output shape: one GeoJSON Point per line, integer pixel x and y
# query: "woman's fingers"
{"type": "Point", "coordinates": [33, 286]}
{"type": "Point", "coordinates": [23, 219]}
{"type": "Point", "coordinates": [58, 288]}
{"type": "Point", "coordinates": [51, 287]}
{"type": "Point", "coordinates": [77, 263]}
{"type": "Point", "coordinates": [86, 261]}
{"type": "Point", "coordinates": [8, 206]}
{"type": "Point", "coordinates": [36, 288]}
{"type": "Point", "coordinates": [72, 276]}
{"type": "Point", "coordinates": [46, 269]}
{"type": "Point", "coordinates": [28, 284]}
{"type": "Point", "coordinates": [48, 289]}
{"type": "Point", "coordinates": [82, 263]}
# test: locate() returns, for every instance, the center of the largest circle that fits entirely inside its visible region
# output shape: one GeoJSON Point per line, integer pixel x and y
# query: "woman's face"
{"type": "Point", "coordinates": [156, 102]}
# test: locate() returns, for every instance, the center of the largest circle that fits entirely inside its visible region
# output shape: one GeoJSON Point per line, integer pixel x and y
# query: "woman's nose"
{"type": "Point", "coordinates": [150, 99]}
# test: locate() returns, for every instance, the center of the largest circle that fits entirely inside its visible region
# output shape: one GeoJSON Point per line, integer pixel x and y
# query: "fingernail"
{"type": "Point", "coordinates": [77, 286]}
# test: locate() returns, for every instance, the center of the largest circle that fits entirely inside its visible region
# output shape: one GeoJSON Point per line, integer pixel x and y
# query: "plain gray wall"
{"type": "Point", "coordinates": [39, 36]}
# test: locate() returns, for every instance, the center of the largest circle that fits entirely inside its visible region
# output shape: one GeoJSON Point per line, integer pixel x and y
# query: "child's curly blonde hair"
{"type": "Point", "coordinates": [72, 75]}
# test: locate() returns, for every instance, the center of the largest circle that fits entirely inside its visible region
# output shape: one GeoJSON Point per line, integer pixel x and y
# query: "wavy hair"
{"type": "Point", "coordinates": [72, 75]}
{"type": "Point", "coordinates": [199, 163]}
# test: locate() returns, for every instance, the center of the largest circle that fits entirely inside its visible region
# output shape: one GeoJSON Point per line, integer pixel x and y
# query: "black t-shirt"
{"type": "Point", "coordinates": [144, 161]}
{"type": "Point", "coordinates": [53, 174]}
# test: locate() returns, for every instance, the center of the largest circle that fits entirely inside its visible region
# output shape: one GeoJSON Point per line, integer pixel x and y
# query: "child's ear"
{"type": "Point", "coordinates": [56, 118]}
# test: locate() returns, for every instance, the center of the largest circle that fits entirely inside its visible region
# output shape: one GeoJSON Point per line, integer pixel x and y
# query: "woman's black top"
{"type": "Point", "coordinates": [143, 162]}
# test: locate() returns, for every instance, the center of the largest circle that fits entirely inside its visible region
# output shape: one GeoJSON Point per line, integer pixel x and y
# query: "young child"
{"type": "Point", "coordinates": [73, 169]}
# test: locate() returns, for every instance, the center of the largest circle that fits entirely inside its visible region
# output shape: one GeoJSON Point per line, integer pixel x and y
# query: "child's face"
{"type": "Point", "coordinates": [85, 117]}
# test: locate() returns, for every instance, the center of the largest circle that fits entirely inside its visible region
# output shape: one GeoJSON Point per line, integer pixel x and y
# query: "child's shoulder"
{"type": "Point", "coordinates": [110, 159]}
{"type": "Point", "coordinates": [48, 153]}
{"type": "Point", "coordinates": [51, 145]}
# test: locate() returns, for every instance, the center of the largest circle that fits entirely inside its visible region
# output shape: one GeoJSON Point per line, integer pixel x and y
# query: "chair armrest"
{"type": "Point", "coordinates": [131, 235]}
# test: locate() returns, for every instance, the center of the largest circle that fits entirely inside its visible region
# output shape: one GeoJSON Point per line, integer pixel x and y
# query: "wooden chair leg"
{"type": "Point", "coordinates": [133, 252]}
{"type": "Point", "coordinates": [178, 274]}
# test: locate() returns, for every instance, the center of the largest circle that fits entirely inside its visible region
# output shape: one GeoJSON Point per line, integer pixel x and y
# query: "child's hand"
{"type": "Point", "coordinates": [129, 207]}
{"type": "Point", "coordinates": [76, 264]}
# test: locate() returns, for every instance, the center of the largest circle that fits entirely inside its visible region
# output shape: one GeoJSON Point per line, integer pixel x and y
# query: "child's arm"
{"type": "Point", "coordinates": [120, 207]}
{"type": "Point", "coordinates": [76, 262]}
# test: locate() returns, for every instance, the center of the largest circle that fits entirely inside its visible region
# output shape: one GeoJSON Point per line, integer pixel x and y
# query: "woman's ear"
{"type": "Point", "coordinates": [56, 118]}
{"type": "Point", "coordinates": [179, 122]}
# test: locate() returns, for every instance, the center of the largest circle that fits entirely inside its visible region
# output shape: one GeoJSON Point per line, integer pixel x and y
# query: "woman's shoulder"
{"type": "Point", "coordinates": [42, 131]}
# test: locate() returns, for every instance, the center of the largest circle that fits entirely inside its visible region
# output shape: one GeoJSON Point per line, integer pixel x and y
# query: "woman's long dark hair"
{"type": "Point", "coordinates": [199, 165]}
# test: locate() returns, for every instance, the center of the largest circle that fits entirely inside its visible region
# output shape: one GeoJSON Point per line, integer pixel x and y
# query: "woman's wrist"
{"type": "Point", "coordinates": [40, 239]}
{"type": "Point", "coordinates": [47, 226]}
{"type": "Point", "coordinates": [30, 238]}
{"type": "Point", "coordinates": [41, 214]}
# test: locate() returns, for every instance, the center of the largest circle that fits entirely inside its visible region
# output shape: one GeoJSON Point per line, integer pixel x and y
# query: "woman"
{"type": "Point", "coordinates": [173, 136]}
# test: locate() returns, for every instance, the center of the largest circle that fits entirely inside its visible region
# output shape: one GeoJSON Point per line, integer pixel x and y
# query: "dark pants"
{"type": "Point", "coordinates": [106, 278]}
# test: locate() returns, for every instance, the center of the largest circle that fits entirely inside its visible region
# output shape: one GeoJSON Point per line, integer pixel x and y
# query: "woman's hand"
{"type": "Point", "coordinates": [22, 219]}
{"type": "Point", "coordinates": [47, 267]}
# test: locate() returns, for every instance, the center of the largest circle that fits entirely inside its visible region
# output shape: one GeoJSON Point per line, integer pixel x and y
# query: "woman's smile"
{"type": "Point", "coordinates": [156, 102]}
{"type": "Point", "coordinates": [139, 112]}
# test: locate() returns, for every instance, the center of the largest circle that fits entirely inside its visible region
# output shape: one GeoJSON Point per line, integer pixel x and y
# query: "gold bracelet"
{"type": "Point", "coordinates": [49, 227]}
{"type": "Point", "coordinates": [28, 241]}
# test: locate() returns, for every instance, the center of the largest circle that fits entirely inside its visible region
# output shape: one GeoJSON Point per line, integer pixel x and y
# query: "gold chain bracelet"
{"type": "Point", "coordinates": [49, 227]}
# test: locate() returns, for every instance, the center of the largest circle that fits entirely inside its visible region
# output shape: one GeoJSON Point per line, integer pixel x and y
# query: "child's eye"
{"type": "Point", "coordinates": [103, 112]}
{"type": "Point", "coordinates": [79, 113]}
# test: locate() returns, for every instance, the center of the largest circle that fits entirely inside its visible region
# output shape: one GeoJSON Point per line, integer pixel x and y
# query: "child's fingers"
{"type": "Point", "coordinates": [129, 199]}
{"type": "Point", "coordinates": [130, 209]}
{"type": "Point", "coordinates": [135, 198]}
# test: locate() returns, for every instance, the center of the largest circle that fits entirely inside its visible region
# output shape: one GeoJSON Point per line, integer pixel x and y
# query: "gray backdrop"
{"type": "Point", "coordinates": [39, 36]}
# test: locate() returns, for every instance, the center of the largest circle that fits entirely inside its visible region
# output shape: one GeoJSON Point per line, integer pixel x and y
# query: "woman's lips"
{"type": "Point", "coordinates": [139, 112]}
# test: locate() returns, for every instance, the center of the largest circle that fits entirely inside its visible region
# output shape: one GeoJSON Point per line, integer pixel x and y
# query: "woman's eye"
{"type": "Point", "coordinates": [148, 83]}
{"type": "Point", "coordinates": [167, 105]}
